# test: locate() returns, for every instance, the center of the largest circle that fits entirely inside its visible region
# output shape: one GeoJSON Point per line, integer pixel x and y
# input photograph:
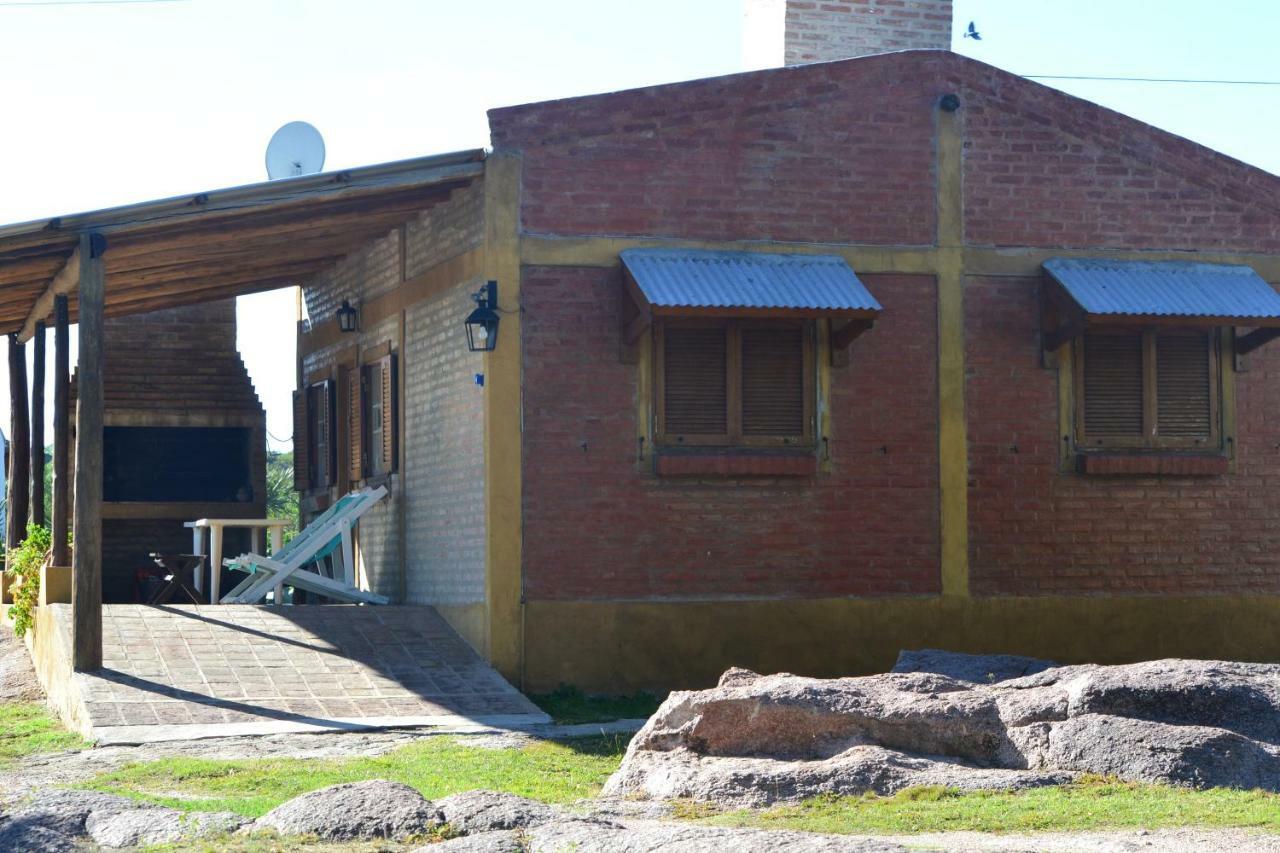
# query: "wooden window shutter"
{"type": "Point", "coordinates": [301, 443]}
{"type": "Point", "coordinates": [355, 426]}
{"type": "Point", "coordinates": [695, 380]}
{"type": "Point", "coordinates": [389, 419]}
{"type": "Point", "coordinates": [329, 455]}
{"type": "Point", "coordinates": [1113, 396]}
{"type": "Point", "coordinates": [773, 381]}
{"type": "Point", "coordinates": [1184, 386]}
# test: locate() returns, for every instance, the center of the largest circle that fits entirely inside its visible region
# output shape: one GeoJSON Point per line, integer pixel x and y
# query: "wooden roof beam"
{"type": "Point", "coordinates": [64, 282]}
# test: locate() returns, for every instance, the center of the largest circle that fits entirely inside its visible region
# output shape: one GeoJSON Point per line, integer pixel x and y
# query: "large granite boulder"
{"type": "Point", "coordinates": [487, 811]}
{"type": "Point", "coordinates": [786, 716]}
{"type": "Point", "coordinates": [355, 811]}
{"type": "Point", "coordinates": [965, 721]}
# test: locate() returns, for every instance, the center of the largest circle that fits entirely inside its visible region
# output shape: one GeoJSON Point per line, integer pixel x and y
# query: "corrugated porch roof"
{"type": "Point", "coordinates": [221, 243]}
{"type": "Point", "coordinates": [1167, 290]}
{"type": "Point", "coordinates": [701, 281]}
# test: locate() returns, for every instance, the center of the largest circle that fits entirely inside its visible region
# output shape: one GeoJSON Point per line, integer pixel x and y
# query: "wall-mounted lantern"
{"type": "Point", "coordinates": [482, 323]}
{"type": "Point", "coordinates": [348, 317]}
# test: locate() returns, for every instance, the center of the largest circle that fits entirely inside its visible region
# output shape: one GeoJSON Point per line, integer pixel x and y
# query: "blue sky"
{"type": "Point", "coordinates": [118, 103]}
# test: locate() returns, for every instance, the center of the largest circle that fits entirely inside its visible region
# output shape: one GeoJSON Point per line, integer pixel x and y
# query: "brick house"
{"type": "Point", "coordinates": [798, 367]}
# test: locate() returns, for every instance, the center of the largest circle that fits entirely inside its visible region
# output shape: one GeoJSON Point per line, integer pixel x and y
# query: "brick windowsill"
{"type": "Point", "coordinates": [1154, 465]}
{"type": "Point", "coordinates": [736, 465]}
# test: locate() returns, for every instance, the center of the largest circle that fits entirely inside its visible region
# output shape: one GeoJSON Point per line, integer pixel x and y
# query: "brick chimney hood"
{"type": "Point", "coordinates": [793, 32]}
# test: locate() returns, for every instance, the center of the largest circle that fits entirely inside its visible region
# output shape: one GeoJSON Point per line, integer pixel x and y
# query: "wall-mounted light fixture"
{"type": "Point", "coordinates": [348, 317]}
{"type": "Point", "coordinates": [482, 323]}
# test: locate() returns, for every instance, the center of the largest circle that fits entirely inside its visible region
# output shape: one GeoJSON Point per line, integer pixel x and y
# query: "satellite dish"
{"type": "Point", "coordinates": [295, 149]}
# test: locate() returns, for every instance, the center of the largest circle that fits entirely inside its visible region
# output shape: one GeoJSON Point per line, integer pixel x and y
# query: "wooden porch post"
{"type": "Point", "coordinates": [37, 427]}
{"type": "Point", "coordinates": [86, 593]}
{"type": "Point", "coordinates": [61, 432]}
{"type": "Point", "coordinates": [19, 447]}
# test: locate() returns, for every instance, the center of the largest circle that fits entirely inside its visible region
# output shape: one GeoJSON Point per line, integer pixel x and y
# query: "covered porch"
{"type": "Point", "coordinates": [137, 259]}
{"type": "Point", "coordinates": [183, 672]}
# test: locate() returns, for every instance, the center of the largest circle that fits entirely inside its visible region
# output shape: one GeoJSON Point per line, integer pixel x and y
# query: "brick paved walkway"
{"type": "Point", "coordinates": [175, 671]}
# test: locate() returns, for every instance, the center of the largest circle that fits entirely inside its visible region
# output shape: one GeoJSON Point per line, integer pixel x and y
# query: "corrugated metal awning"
{"type": "Point", "coordinates": [1167, 291]}
{"type": "Point", "coordinates": [689, 281]}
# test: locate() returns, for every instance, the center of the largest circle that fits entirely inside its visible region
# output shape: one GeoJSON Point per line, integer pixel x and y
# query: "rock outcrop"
{"type": "Point", "coordinates": [966, 721]}
{"type": "Point", "coordinates": [473, 812]}
{"type": "Point", "coordinates": [146, 827]}
{"type": "Point", "coordinates": [56, 819]}
{"type": "Point", "coordinates": [355, 811]}
{"type": "Point", "coordinates": [491, 822]}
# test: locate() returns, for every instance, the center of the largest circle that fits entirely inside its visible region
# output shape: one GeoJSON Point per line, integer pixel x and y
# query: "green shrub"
{"type": "Point", "coordinates": [23, 565]}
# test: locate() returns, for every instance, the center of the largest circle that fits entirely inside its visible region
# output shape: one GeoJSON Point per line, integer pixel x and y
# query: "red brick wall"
{"type": "Point", "coordinates": [595, 527]}
{"type": "Point", "coordinates": [843, 152]}
{"type": "Point", "coordinates": [827, 153]}
{"type": "Point", "coordinates": [822, 30]}
{"type": "Point", "coordinates": [1034, 530]}
{"type": "Point", "coordinates": [1042, 168]}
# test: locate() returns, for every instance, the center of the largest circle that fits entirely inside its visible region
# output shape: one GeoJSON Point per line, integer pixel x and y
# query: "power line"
{"type": "Point", "coordinates": [1154, 80]}
{"type": "Point", "coordinates": [36, 4]}
{"type": "Point", "coordinates": [277, 438]}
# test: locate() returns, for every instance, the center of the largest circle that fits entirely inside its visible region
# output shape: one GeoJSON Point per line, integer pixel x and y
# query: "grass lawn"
{"type": "Point", "coordinates": [1091, 804]}
{"type": "Point", "coordinates": [558, 772]}
{"type": "Point", "coordinates": [568, 705]}
{"type": "Point", "coordinates": [553, 772]}
{"type": "Point", "coordinates": [27, 728]}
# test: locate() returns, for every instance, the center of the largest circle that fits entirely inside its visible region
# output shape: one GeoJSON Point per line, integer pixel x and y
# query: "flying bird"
{"type": "Point", "coordinates": [972, 33]}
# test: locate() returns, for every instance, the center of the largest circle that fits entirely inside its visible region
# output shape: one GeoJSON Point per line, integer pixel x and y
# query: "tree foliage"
{"type": "Point", "coordinates": [282, 500]}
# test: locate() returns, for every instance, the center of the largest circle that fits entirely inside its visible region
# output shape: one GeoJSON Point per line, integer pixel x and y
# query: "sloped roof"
{"type": "Point", "coordinates": [226, 242]}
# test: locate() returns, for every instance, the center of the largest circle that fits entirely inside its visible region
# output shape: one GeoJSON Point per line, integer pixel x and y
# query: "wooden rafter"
{"type": "Point", "coordinates": [635, 319]}
{"type": "Point", "coordinates": [223, 243]}
{"type": "Point", "coordinates": [65, 281]}
{"type": "Point", "coordinates": [1246, 344]}
{"type": "Point", "coordinates": [1061, 319]}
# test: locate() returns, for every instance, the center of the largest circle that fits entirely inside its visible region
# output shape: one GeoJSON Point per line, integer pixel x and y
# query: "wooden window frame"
{"type": "Point", "coordinates": [328, 389]}
{"type": "Point", "coordinates": [734, 436]}
{"type": "Point", "coordinates": [1150, 440]}
{"type": "Point", "coordinates": [382, 357]}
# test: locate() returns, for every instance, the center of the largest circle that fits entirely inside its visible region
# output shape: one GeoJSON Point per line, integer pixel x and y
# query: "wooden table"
{"type": "Point", "coordinates": [215, 526]}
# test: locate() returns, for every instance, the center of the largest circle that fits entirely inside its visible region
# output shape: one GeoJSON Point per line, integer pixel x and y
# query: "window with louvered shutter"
{"type": "Point", "coordinates": [355, 427]}
{"type": "Point", "coordinates": [387, 444]}
{"type": "Point", "coordinates": [379, 416]}
{"type": "Point", "coordinates": [1113, 395]}
{"type": "Point", "coordinates": [773, 387]}
{"type": "Point", "coordinates": [735, 382]}
{"type": "Point", "coordinates": [1184, 386]}
{"type": "Point", "coordinates": [320, 454]}
{"type": "Point", "coordinates": [1148, 389]}
{"type": "Point", "coordinates": [301, 443]}
{"type": "Point", "coordinates": [695, 391]}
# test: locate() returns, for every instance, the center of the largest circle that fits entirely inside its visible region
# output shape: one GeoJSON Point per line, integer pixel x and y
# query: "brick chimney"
{"type": "Point", "coordinates": [793, 32]}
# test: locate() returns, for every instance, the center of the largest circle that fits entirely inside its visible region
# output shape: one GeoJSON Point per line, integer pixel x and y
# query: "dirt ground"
{"type": "Point", "coordinates": [17, 677]}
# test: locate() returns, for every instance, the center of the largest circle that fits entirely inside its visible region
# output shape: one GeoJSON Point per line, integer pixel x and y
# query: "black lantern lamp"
{"type": "Point", "coordinates": [482, 323]}
{"type": "Point", "coordinates": [348, 317]}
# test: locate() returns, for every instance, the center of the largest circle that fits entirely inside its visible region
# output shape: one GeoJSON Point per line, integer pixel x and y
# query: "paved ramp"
{"type": "Point", "coordinates": [175, 672]}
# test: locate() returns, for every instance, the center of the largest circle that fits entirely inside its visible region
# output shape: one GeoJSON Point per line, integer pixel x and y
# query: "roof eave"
{"type": "Point", "coordinates": [401, 173]}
